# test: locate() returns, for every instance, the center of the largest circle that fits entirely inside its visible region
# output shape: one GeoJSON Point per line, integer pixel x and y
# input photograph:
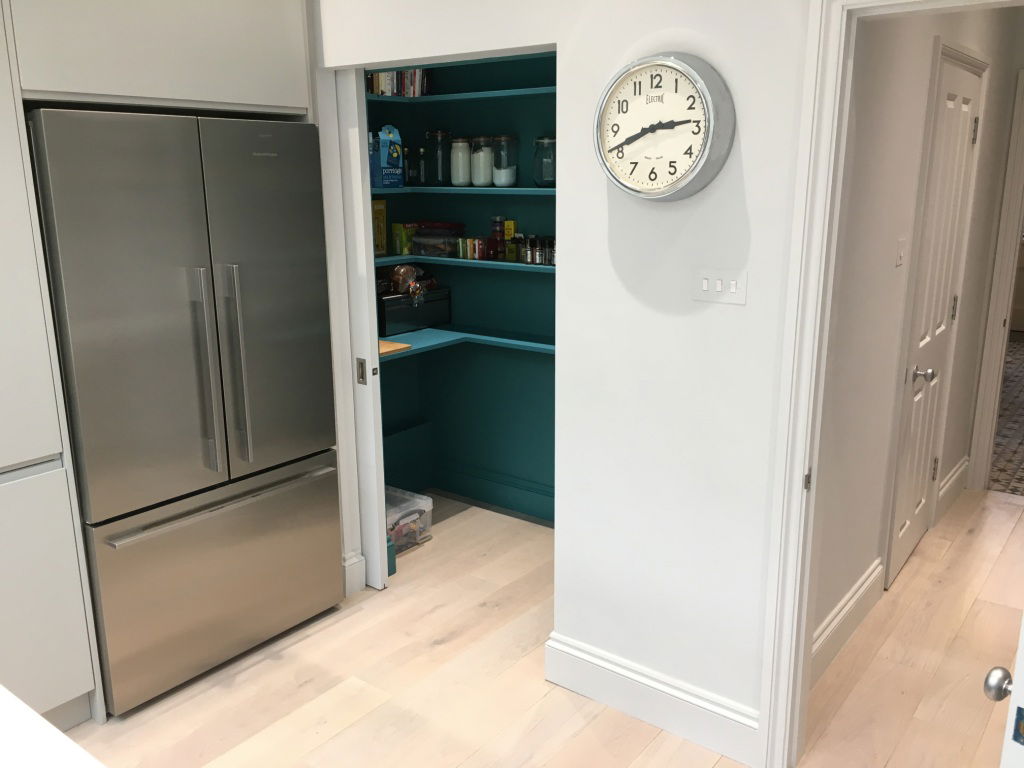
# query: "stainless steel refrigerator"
{"type": "Point", "coordinates": [187, 265]}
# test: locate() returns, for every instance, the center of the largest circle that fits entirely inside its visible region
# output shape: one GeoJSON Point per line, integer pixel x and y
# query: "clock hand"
{"type": "Point", "coordinates": [660, 125]}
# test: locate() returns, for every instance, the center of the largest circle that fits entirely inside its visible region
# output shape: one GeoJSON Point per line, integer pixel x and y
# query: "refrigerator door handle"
{"type": "Point", "coordinates": [243, 413]}
{"type": "Point", "coordinates": [141, 534]}
{"type": "Point", "coordinates": [210, 380]}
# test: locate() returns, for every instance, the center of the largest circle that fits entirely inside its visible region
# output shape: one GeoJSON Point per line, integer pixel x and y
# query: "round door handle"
{"type": "Point", "coordinates": [998, 683]}
{"type": "Point", "coordinates": [928, 374]}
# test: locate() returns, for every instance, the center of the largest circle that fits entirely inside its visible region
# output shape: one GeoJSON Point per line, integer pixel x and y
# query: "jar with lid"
{"type": "Point", "coordinates": [496, 242]}
{"type": "Point", "coordinates": [461, 176]}
{"type": "Point", "coordinates": [506, 157]}
{"type": "Point", "coordinates": [482, 161]}
{"type": "Point", "coordinates": [438, 159]}
{"type": "Point", "coordinates": [544, 161]}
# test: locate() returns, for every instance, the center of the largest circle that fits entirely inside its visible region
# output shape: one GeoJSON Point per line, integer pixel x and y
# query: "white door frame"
{"type": "Point", "coordinates": [1011, 222]}
{"type": "Point", "coordinates": [831, 26]}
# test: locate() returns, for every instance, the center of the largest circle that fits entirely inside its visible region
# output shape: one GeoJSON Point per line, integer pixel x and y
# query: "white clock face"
{"type": "Point", "coordinates": [652, 127]}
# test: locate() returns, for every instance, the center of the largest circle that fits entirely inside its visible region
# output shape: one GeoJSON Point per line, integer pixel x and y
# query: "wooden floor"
{"type": "Point", "coordinates": [445, 668]}
{"type": "Point", "coordinates": [905, 691]}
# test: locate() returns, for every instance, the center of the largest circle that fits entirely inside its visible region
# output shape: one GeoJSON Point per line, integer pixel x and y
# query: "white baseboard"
{"type": "Point", "coordinates": [951, 486]}
{"type": "Point", "coordinates": [849, 612]}
{"type": "Point", "coordinates": [355, 573]}
{"type": "Point", "coordinates": [703, 717]}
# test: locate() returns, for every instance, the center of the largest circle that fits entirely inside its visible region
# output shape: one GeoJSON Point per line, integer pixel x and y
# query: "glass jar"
{"type": "Point", "coordinates": [506, 157]}
{"type": "Point", "coordinates": [438, 159]}
{"type": "Point", "coordinates": [482, 161]}
{"type": "Point", "coordinates": [461, 176]}
{"type": "Point", "coordinates": [544, 161]}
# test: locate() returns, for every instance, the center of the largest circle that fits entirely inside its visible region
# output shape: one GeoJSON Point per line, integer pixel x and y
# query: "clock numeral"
{"type": "Point", "coordinates": [623, 106]}
{"type": "Point", "coordinates": [655, 80]}
{"type": "Point", "coordinates": [633, 168]}
{"type": "Point", "coordinates": [677, 85]}
{"type": "Point", "coordinates": [689, 151]}
{"type": "Point", "coordinates": [691, 101]}
{"type": "Point", "coordinates": [615, 129]}
{"type": "Point", "coordinates": [672, 167]}
{"type": "Point", "coordinates": [653, 175]}
{"type": "Point", "coordinates": [620, 153]}
{"type": "Point", "coordinates": [696, 127]}
{"type": "Point", "coordinates": [637, 87]}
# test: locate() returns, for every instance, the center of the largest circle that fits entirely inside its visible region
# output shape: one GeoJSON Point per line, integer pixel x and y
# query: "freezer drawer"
{"type": "Point", "coordinates": [184, 587]}
{"type": "Point", "coordinates": [270, 269]}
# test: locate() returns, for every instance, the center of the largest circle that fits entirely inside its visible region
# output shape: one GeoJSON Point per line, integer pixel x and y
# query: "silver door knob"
{"type": "Point", "coordinates": [928, 374]}
{"type": "Point", "coordinates": [998, 683]}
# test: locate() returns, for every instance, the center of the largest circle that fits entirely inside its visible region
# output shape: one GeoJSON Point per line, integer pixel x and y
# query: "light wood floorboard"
{"type": "Point", "coordinates": [444, 669]}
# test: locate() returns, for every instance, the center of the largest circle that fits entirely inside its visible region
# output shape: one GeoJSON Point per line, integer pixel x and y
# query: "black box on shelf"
{"type": "Point", "coordinates": [399, 313]}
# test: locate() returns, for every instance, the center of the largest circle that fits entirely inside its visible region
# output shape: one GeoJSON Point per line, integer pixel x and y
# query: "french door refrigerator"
{"type": "Point", "coordinates": [187, 265]}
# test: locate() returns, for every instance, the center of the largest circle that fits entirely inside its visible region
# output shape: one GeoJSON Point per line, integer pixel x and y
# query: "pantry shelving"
{"type": "Point", "coordinates": [543, 269]}
{"type": "Point", "coordinates": [506, 191]}
{"type": "Point", "coordinates": [469, 407]}
{"type": "Point", "coordinates": [508, 93]}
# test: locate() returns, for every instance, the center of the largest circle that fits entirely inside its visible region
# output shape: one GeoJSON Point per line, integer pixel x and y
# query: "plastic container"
{"type": "Point", "coordinates": [408, 517]}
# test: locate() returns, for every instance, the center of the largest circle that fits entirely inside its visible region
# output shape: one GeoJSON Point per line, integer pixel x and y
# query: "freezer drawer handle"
{"type": "Point", "coordinates": [243, 414]}
{"type": "Point", "coordinates": [211, 383]}
{"type": "Point", "coordinates": [141, 534]}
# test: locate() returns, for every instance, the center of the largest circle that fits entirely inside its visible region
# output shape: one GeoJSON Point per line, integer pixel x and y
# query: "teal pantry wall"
{"type": "Point", "coordinates": [476, 418]}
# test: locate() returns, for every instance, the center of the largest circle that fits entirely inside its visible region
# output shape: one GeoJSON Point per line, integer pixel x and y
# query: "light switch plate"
{"type": "Point", "coordinates": [723, 286]}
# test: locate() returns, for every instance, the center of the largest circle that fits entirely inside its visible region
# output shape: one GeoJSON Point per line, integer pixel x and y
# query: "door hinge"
{"type": "Point", "coordinates": [974, 133]}
{"type": "Point", "coordinates": [956, 299]}
{"type": "Point", "coordinates": [807, 479]}
{"type": "Point", "coordinates": [935, 468]}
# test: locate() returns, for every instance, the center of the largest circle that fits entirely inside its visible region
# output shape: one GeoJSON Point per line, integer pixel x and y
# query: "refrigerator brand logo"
{"type": "Point", "coordinates": [264, 154]}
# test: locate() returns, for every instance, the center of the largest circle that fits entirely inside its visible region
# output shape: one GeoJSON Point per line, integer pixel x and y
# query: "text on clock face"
{"type": "Point", "coordinates": [653, 127]}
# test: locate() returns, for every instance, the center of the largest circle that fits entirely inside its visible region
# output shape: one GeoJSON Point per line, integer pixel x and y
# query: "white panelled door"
{"type": "Point", "coordinates": [938, 271]}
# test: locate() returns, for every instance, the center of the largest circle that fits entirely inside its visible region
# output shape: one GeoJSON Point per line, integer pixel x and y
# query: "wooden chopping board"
{"type": "Point", "coordinates": [390, 347]}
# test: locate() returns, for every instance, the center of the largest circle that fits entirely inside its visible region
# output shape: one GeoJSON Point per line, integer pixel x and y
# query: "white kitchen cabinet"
{"type": "Point", "coordinates": [28, 406]}
{"type": "Point", "coordinates": [44, 647]}
{"type": "Point", "coordinates": [251, 55]}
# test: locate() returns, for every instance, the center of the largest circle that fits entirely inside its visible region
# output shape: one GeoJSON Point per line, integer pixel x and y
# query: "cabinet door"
{"type": "Point", "coordinates": [44, 646]}
{"type": "Point", "coordinates": [28, 406]}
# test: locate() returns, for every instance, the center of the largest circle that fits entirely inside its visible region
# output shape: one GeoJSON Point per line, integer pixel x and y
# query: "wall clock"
{"type": "Point", "coordinates": [664, 126]}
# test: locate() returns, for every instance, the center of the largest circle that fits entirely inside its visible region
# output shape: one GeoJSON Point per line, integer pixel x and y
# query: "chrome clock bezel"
{"type": "Point", "coordinates": [720, 124]}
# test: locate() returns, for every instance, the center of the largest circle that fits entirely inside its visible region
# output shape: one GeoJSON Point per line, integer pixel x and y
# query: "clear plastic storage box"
{"type": "Point", "coordinates": [408, 517]}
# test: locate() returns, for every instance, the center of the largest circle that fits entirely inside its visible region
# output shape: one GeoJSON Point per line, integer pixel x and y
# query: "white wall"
{"type": "Point", "coordinates": [891, 82]}
{"type": "Point", "coordinates": [665, 406]}
{"type": "Point", "coordinates": [225, 53]}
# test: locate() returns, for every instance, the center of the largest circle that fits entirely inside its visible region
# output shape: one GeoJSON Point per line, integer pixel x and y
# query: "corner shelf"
{"type": "Point", "coordinates": [543, 191]}
{"type": "Point", "coordinates": [429, 339]}
{"type": "Point", "coordinates": [509, 93]}
{"type": "Point", "coordinates": [511, 266]}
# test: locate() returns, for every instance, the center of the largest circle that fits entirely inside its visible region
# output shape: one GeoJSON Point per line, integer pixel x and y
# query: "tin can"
{"type": "Point", "coordinates": [528, 251]}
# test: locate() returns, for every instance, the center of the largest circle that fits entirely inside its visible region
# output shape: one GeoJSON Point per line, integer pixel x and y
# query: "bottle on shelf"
{"type": "Point", "coordinates": [496, 242]}
{"type": "Point", "coordinates": [438, 159]}
{"type": "Point", "coordinates": [482, 161]}
{"type": "Point", "coordinates": [506, 157]}
{"type": "Point", "coordinates": [461, 173]}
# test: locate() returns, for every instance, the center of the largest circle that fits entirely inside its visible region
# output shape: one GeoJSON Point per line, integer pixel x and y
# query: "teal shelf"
{"type": "Point", "coordinates": [510, 266]}
{"type": "Point", "coordinates": [542, 191]}
{"type": "Point", "coordinates": [508, 93]}
{"type": "Point", "coordinates": [430, 339]}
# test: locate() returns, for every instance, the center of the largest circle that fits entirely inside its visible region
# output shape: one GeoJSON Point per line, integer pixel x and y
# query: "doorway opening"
{"type": "Point", "coordinates": [1007, 472]}
{"type": "Point", "coordinates": [462, 275]}
{"type": "Point", "coordinates": [913, 346]}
